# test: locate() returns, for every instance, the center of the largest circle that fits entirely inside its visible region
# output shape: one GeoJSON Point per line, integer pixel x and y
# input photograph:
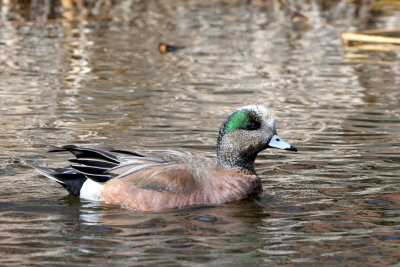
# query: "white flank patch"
{"type": "Point", "coordinates": [91, 190]}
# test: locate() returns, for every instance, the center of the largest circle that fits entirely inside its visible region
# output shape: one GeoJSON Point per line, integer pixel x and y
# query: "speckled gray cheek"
{"type": "Point", "coordinates": [268, 126]}
{"type": "Point", "coordinates": [254, 140]}
{"type": "Point", "coordinates": [239, 149]}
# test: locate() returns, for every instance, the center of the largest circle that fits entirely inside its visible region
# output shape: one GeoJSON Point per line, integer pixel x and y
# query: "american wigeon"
{"type": "Point", "coordinates": [153, 180]}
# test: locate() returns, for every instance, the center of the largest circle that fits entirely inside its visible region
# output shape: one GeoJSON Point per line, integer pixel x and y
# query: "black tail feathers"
{"type": "Point", "coordinates": [70, 179]}
{"type": "Point", "coordinates": [85, 152]}
{"type": "Point", "coordinates": [94, 165]}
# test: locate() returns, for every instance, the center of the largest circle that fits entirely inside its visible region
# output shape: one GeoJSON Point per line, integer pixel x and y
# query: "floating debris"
{"type": "Point", "coordinates": [372, 40]}
{"type": "Point", "coordinates": [165, 48]}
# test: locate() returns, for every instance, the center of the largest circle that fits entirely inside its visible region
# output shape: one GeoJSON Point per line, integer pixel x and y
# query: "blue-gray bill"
{"type": "Point", "coordinates": [277, 142]}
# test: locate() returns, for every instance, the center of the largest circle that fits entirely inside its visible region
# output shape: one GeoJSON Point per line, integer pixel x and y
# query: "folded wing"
{"type": "Point", "coordinates": [157, 170]}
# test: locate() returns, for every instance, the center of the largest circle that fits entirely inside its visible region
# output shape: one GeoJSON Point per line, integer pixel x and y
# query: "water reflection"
{"type": "Point", "coordinates": [95, 75]}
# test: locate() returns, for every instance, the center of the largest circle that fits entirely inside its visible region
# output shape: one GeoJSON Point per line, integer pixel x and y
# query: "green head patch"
{"type": "Point", "coordinates": [238, 120]}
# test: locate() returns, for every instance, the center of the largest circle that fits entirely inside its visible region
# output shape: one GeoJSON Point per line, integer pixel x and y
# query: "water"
{"type": "Point", "coordinates": [102, 81]}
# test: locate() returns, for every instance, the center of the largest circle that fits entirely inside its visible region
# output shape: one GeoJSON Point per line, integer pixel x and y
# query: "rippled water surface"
{"type": "Point", "coordinates": [100, 80]}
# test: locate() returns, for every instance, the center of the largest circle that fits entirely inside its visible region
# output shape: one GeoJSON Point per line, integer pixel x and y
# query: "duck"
{"type": "Point", "coordinates": [166, 48]}
{"type": "Point", "coordinates": [156, 180]}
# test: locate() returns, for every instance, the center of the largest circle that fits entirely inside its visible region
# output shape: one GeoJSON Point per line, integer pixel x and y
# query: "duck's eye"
{"type": "Point", "coordinates": [254, 125]}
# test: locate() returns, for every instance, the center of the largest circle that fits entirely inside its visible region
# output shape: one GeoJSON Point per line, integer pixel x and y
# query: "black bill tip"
{"type": "Point", "coordinates": [291, 148]}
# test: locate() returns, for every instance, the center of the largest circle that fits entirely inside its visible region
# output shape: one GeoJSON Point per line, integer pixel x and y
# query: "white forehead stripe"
{"type": "Point", "coordinates": [261, 111]}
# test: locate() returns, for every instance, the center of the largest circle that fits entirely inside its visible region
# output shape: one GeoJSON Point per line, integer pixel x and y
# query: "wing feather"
{"type": "Point", "coordinates": [171, 178]}
{"type": "Point", "coordinates": [157, 170]}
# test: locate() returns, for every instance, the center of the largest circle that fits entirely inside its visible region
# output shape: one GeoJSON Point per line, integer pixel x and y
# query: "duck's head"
{"type": "Point", "coordinates": [247, 131]}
